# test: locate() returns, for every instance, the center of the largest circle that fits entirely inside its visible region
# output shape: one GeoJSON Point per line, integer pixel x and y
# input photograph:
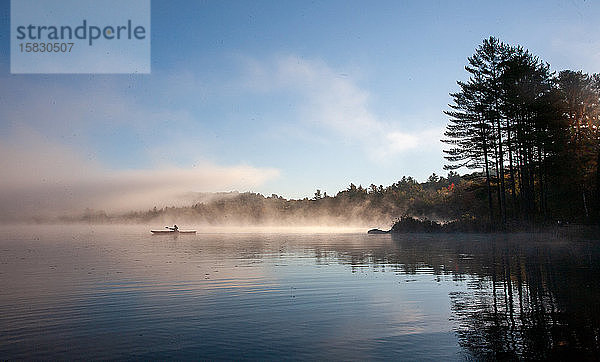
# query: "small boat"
{"type": "Point", "coordinates": [173, 231]}
{"type": "Point", "coordinates": [170, 230]}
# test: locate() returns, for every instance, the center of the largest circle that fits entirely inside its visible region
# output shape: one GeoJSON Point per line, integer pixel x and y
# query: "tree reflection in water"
{"type": "Point", "coordinates": [527, 297]}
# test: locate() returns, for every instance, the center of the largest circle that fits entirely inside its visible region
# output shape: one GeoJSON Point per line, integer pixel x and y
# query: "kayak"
{"type": "Point", "coordinates": [173, 231]}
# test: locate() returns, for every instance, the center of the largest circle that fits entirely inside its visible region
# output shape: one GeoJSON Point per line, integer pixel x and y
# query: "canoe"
{"type": "Point", "coordinates": [173, 231]}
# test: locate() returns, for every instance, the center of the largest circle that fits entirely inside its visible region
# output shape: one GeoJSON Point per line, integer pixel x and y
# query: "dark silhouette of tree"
{"type": "Point", "coordinates": [474, 131]}
{"type": "Point", "coordinates": [581, 98]}
{"type": "Point", "coordinates": [535, 136]}
{"type": "Point", "coordinates": [318, 195]}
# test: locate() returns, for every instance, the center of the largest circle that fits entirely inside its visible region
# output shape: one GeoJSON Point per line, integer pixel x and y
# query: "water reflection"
{"type": "Point", "coordinates": [119, 293]}
{"type": "Point", "coordinates": [526, 298]}
{"type": "Point", "coordinates": [531, 296]}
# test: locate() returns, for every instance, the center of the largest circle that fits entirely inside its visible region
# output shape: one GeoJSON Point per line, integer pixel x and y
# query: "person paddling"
{"type": "Point", "coordinates": [174, 228]}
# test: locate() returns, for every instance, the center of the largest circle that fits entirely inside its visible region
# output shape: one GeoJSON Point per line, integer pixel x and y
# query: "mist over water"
{"type": "Point", "coordinates": [48, 179]}
{"type": "Point", "coordinates": [117, 292]}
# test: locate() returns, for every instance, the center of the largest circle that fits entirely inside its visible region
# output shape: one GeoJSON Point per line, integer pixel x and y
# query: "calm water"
{"type": "Point", "coordinates": [119, 293]}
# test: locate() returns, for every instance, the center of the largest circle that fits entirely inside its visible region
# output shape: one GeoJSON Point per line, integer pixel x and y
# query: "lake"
{"type": "Point", "coordinates": [110, 292]}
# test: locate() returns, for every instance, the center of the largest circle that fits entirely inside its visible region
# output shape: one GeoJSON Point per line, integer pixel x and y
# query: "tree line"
{"type": "Point", "coordinates": [532, 133]}
{"type": "Point", "coordinates": [438, 198]}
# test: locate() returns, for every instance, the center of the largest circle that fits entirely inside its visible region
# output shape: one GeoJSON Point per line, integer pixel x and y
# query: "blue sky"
{"type": "Point", "coordinates": [274, 96]}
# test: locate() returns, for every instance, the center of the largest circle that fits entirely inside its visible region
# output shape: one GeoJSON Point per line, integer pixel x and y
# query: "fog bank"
{"type": "Point", "coordinates": [46, 179]}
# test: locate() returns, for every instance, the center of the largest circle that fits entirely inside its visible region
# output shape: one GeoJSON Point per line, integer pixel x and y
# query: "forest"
{"type": "Point", "coordinates": [531, 133]}
{"type": "Point", "coordinates": [439, 198]}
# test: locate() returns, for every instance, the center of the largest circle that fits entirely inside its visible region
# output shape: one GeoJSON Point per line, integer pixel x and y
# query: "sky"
{"type": "Point", "coordinates": [281, 97]}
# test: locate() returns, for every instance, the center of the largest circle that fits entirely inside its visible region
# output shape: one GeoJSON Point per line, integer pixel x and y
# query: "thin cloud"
{"type": "Point", "coordinates": [335, 102]}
